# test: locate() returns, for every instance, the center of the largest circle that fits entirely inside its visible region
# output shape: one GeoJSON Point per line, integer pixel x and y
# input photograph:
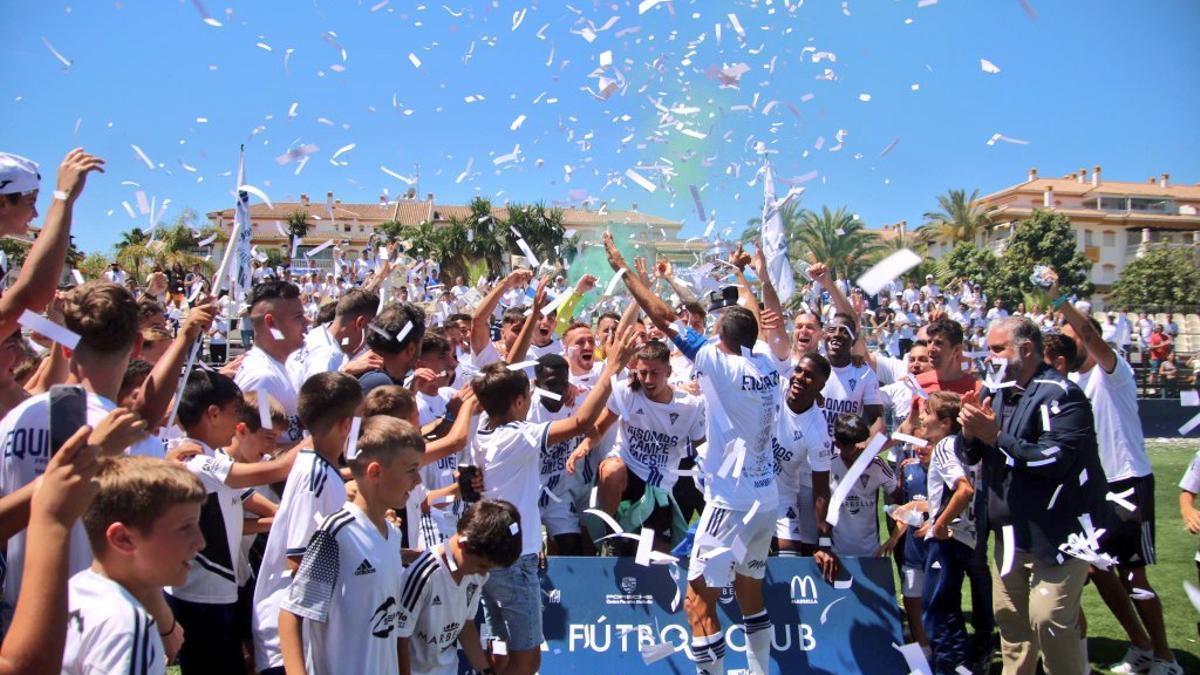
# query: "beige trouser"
{"type": "Point", "coordinates": [1037, 610]}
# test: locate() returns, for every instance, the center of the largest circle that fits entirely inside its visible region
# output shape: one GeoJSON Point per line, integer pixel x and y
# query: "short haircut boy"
{"type": "Point", "coordinates": [326, 313]}
{"type": "Point", "coordinates": [205, 388]}
{"type": "Point", "coordinates": [383, 438]}
{"type": "Point", "coordinates": [327, 397]}
{"type": "Point", "coordinates": [486, 531]}
{"type": "Point", "coordinates": [434, 345]}
{"type": "Point", "coordinates": [738, 328]}
{"type": "Point", "coordinates": [356, 302]}
{"type": "Point", "coordinates": [135, 491]}
{"type": "Point", "coordinates": [390, 399]}
{"type": "Point", "coordinates": [946, 405]}
{"type": "Point", "coordinates": [390, 323]}
{"type": "Point", "coordinates": [497, 387]}
{"type": "Point", "coordinates": [248, 411]}
{"type": "Point", "coordinates": [270, 289]}
{"type": "Point", "coordinates": [947, 328]}
{"type": "Point", "coordinates": [135, 375]}
{"type": "Point", "coordinates": [850, 429]}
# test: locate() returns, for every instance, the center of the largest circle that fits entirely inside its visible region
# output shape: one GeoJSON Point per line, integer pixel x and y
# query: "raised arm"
{"type": "Point", "coordinates": [655, 308]}
{"type": "Point", "coordinates": [159, 387]}
{"type": "Point", "coordinates": [667, 271]}
{"type": "Point", "coordinates": [1097, 348]}
{"type": "Point", "coordinates": [483, 313]}
{"type": "Point", "coordinates": [35, 287]}
{"type": "Point", "coordinates": [521, 345]}
{"type": "Point", "coordinates": [777, 335]}
{"type": "Point", "coordinates": [567, 309]}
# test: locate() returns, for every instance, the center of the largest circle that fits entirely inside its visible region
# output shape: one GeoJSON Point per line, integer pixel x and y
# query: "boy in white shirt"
{"type": "Point", "coordinates": [206, 605]}
{"type": "Point", "coordinates": [857, 529]}
{"type": "Point", "coordinates": [279, 327]}
{"type": "Point", "coordinates": [560, 486]}
{"type": "Point", "coordinates": [328, 403]}
{"type": "Point", "coordinates": [442, 588]}
{"type": "Point", "coordinates": [508, 450]}
{"type": "Point", "coordinates": [348, 582]}
{"type": "Point", "coordinates": [144, 530]}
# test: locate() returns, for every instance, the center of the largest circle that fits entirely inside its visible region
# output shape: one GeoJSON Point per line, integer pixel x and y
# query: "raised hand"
{"type": "Point", "coordinates": [819, 272]}
{"type": "Point", "coordinates": [626, 344]}
{"type": "Point", "coordinates": [118, 430]}
{"type": "Point", "coordinates": [758, 262]}
{"type": "Point", "coordinates": [200, 317]}
{"type": "Point", "coordinates": [615, 259]}
{"type": "Point", "coordinates": [72, 173]}
{"type": "Point", "coordinates": [665, 269]}
{"type": "Point", "coordinates": [639, 263]}
{"type": "Point", "coordinates": [68, 485]}
{"type": "Point", "coordinates": [739, 258]}
{"type": "Point", "coordinates": [518, 277]}
{"type": "Point", "coordinates": [586, 283]}
{"type": "Point", "coordinates": [539, 296]}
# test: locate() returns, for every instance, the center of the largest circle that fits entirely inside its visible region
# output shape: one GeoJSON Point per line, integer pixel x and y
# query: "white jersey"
{"type": "Point", "coordinates": [946, 467]}
{"type": "Point", "coordinates": [586, 381]}
{"type": "Point", "coordinates": [346, 591]}
{"type": "Point", "coordinates": [25, 435]}
{"type": "Point", "coordinates": [510, 457]}
{"type": "Point", "coordinates": [801, 445]}
{"type": "Point", "coordinates": [432, 406]}
{"type": "Point", "coordinates": [553, 464]}
{"type": "Point", "coordinates": [857, 531]}
{"type": "Point", "coordinates": [108, 630]}
{"type": "Point", "coordinates": [433, 610]}
{"type": "Point", "coordinates": [213, 577]}
{"type": "Point", "coordinates": [314, 490]}
{"type": "Point", "coordinates": [321, 353]}
{"type": "Point", "coordinates": [652, 437]}
{"type": "Point", "coordinates": [536, 352]}
{"type": "Point", "coordinates": [848, 390]}
{"type": "Point", "coordinates": [742, 395]}
{"type": "Point", "coordinates": [1118, 427]}
{"type": "Point", "coordinates": [260, 372]}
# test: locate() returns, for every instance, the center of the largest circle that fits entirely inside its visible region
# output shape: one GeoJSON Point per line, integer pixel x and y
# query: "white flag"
{"type": "Point", "coordinates": [240, 272]}
{"type": "Point", "coordinates": [774, 241]}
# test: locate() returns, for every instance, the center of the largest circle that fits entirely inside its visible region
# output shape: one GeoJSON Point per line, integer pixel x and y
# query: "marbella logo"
{"type": "Point", "coordinates": [804, 590]}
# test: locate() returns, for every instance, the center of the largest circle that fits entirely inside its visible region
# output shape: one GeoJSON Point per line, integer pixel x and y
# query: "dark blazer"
{"type": "Point", "coordinates": [1035, 465]}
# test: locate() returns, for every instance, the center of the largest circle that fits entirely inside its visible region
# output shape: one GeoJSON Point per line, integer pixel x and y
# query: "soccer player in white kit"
{"type": "Point", "coordinates": [740, 381]}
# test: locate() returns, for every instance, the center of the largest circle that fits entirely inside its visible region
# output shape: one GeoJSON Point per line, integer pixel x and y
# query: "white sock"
{"type": "Point", "coordinates": [708, 653]}
{"type": "Point", "coordinates": [758, 642]}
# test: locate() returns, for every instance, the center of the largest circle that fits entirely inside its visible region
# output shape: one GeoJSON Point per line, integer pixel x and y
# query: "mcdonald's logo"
{"type": "Point", "coordinates": [804, 590]}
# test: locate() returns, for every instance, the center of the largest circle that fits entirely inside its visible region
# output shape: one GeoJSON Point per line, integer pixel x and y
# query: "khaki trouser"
{"type": "Point", "coordinates": [1037, 610]}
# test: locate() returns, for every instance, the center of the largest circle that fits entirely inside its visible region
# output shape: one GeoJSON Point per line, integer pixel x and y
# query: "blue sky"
{"type": "Point", "coordinates": [1085, 83]}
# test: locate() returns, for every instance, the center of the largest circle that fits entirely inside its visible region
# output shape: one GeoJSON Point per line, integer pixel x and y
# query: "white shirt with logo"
{"type": "Point", "coordinates": [857, 531]}
{"type": "Point", "coordinates": [848, 390]}
{"type": "Point", "coordinates": [801, 445]}
{"type": "Point", "coordinates": [433, 610]}
{"type": "Point", "coordinates": [260, 372]}
{"type": "Point", "coordinates": [108, 630]}
{"type": "Point", "coordinates": [652, 437]}
{"type": "Point", "coordinates": [946, 468]}
{"type": "Point", "coordinates": [347, 591]}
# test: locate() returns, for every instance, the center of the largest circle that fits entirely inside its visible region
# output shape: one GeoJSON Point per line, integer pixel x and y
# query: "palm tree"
{"type": "Point", "coordinates": [961, 218]}
{"type": "Point", "coordinates": [540, 227]}
{"type": "Point", "coordinates": [489, 236]}
{"type": "Point", "coordinates": [297, 225]}
{"type": "Point", "coordinates": [835, 238]}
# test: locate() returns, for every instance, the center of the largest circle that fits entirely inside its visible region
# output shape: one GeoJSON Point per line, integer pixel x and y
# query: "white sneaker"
{"type": "Point", "coordinates": [1135, 661]}
{"type": "Point", "coordinates": [1161, 667]}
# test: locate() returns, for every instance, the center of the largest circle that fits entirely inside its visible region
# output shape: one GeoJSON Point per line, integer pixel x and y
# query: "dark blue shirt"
{"type": "Point", "coordinates": [913, 481]}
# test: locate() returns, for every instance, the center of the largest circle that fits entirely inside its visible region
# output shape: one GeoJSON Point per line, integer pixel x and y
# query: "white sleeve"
{"type": "Point", "coordinates": [618, 400]}
{"type": "Point", "coordinates": [210, 469]}
{"type": "Point", "coordinates": [820, 451]}
{"type": "Point", "coordinates": [1191, 478]}
{"type": "Point", "coordinates": [485, 356]}
{"type": "Point", "coordinates": [871, 391]}
{"type": "Point", "coordinates": [697, 431]}
{"type": "Point", "coordinates": [414, 598]}
{"type": "Point", "coordinates": [111, 648]}
{"type": "Point", "coordinates": [301, 517]}
{"type": "Point", "coordinates": [312, 589]}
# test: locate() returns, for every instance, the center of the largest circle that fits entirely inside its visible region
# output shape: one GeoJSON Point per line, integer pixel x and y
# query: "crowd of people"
{"type": "Point", "coordinates": [395, 453]}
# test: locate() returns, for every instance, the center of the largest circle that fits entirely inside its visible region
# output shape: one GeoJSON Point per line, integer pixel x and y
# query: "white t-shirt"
{"type": "Point", "coordinates": [314, 489]}
{"type": "Point", "coordinates": [433, 610]}
{"type": "Point", "coordinates": [260, 372]}
{"type": "Point", "coordinates": [552, 469]}
{"type": "Point", "coordinates": [108, 630]}
{"type": "Point", "coordinates": [510, 457]}
{"type": "Point", "coordinates": [1191, 477]}
{"type": "Point", "coordinates": [889, 370]}
{"type": "Point", "coordinates": [432, 406]}
{"type": "Point", "coordinates": [801, 445]}
{"type": "Point", "coordinates": [743, 396]}
{"type": "Point", "coordinates": [857, 531]}
{"type": "Point", "coordinates": [945, 469]}
{"type": "Point", "coordinates": [321, 353]}
{"type": "Point", "coordinates": [1118, 427]}
{"type": "Point", "coordinates": [899, 398]}
{"type": "Point", "coordinates": [213, 577]}
{"type": "Point", "coordinates": [585, 381]}
{"type": "Point", "coordinates": [554, 347]}
{"type": "Point", "coordinates": [847, 390]}
{"type": "Point", "coordinates": [652, 437]}
{"type": "Point", "coordinates": [25, 435]}
{"type": "Point", "coordinates": [346, 590]}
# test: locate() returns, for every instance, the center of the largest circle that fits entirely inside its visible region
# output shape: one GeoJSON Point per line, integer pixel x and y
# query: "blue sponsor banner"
{"type": "Point", "coordinates": [599, 612]}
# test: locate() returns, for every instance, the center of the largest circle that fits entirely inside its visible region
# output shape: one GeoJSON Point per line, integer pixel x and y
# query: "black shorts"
{"type": "Point", "coordinates": [661, 518]}
{"type": "Point", "coordinates": [1130, 536]}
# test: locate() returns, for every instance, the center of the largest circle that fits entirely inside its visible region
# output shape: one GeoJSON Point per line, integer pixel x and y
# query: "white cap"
{"type": "Point", "coordinates": [17, 174]}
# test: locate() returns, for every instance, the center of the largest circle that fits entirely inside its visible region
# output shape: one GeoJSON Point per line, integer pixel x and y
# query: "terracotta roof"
{"type": "Point", "coordinates": [1073, 188]}
{"type": "Point", "coordinates": [1117, 218]}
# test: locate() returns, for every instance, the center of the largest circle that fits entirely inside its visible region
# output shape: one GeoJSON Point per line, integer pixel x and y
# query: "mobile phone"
{"type": "Point", "coordinates": [68, 412]}
{"type": "Point", "coordinates": [466, 475]}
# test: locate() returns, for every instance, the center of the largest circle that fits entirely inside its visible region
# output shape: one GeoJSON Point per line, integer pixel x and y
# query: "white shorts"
{"type": "Point", "coordinates": [797, 521]}
{"type": "Point", "coordinates": [723, 528]}
{"type": "Point", "coordinates": [912, 581]}
{"type": "Point", "coordinates": [559, 517]}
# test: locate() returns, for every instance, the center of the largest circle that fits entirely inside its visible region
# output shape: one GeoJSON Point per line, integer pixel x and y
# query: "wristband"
{"type": "Point", "coordinates": [1057, 302]}
{"type": "Point", "coordinates": [60, 195]}
{"type": "Point", "coordinates": [169, 630]}
{"type": "Point", "coordinates": [824, 542]}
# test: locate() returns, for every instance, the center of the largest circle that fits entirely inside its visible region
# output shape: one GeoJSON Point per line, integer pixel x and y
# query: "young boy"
{"type": "Point", "coordinates": [857, 530]}
{"type": "Point", "coordinates": [348, 583]}
{"type": "Point", "coordinates": [557, 501]}
{"type": "Point", "coordinates": [442, 588]}
{"type": "Point", "coordinates": [144, 531]}
{"type": "Point", "coordinates": [914, 481]}
{"type": "Point", "coordinates": [508, 449]}
{"type": "Point", "coordinates": [1189, 487]}
{"type": "Point", "coordinates": [949, 533]}
{"type": "Point", "coordinates": [206, 604]}
{"type": "Point", "coordinates": [327, 405]}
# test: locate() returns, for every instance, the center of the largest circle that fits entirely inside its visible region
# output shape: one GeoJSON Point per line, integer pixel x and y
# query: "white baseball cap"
{"type": "Point", "coordinates": [18, 175]}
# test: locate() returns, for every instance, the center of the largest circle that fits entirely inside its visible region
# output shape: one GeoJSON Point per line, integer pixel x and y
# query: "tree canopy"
{"type": "Point", "coordinates": [1164, 275]}
{"type": "Point", "coordinates": [1045, 238]}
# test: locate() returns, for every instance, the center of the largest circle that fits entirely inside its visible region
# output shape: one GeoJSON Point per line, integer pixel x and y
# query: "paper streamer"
{"type": "Point", "coordinates": [612, 283]}
{"type": "Point", "coordinates": [546, 393]}
{"type": "Point", "coordinates": [851, 477]}
{"type": "Point", "coordinates": [556, 302]}
{"type": "Point", "coordinates": [257, 193]}
{"type": "Point", "coordinates": [352, 439]}
{"type": "Point", "coordinates": [404, 332]}
{"type": "Point", "coordinates": [310, 253]}
{"type": "Point", "coordinates": [645, 546]}
{"type": "Point", "coordinates": [608, 520]}
{"type": "Point", "coordinates": [911, 440]}
{"type": "Point", "coordinates": [57, 333]}
{"type": "Point", "coordinates": [1006, 536]}
{"type": "Point", "coordinates": [888, 269]}
{"type": "Point", "coordinates": [914, 657]}
{"type": "Point", "coordinates": [264, 410]}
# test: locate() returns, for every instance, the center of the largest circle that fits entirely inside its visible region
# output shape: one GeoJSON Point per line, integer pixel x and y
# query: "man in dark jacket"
{"type": "Point", "coordinates": [1042, 472]}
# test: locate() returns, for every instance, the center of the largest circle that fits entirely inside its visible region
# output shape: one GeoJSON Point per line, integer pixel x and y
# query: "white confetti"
{"type": "Point", "coordinates": [143, 156]}
{"type": "Point", "coordinates": [988, 67]}
{"type": "Point", "coordinates": [343, 149]}
{"type": "Point", "coordinates": [640, 180]}
{"type": "Point", "coordinates": [352, 438]}
{"type": "Point", "coordinates": [516, 124]}
{"type": "Point", "coordinates": [58, 55]}
{"type": "Point", "coordinates": [412, 58]}
{"type": "Point", "coordinates": [888, 269]}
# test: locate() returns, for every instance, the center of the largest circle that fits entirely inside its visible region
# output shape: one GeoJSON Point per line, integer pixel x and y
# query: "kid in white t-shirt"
{"type": "Point", "coordinates": [857, 529]}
